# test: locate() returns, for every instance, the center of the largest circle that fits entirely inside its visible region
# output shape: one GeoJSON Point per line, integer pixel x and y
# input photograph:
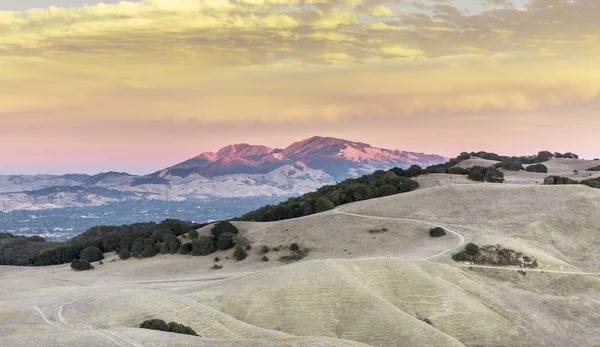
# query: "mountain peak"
{"type": "Point", "coordinates": [336, 157]}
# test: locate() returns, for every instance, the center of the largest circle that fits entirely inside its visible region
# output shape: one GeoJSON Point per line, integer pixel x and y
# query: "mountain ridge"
{"type": "Point", "coordinates": [237, 170]}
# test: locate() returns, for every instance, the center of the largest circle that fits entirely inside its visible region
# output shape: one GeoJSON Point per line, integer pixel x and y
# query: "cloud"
{"type": "Point", "coordinates": [293, 60]}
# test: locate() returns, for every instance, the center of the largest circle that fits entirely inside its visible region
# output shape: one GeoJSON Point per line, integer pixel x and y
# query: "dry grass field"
{"type": "Point", "coordinates": [373, 277]}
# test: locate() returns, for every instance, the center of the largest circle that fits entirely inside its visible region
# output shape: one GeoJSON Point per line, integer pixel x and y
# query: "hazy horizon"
{"type": "Point", "coordinates": [137, 86]}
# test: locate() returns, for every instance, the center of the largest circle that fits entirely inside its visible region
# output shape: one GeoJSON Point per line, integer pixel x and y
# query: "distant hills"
{"type": "Point", "coordinates": [239, 170]}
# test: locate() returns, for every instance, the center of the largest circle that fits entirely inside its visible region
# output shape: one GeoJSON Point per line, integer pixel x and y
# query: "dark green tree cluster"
{"type": "Point", "coordinates": [590, 182]}
{"type": "Point", "coordinates": [21, 250]}
{"type": "Point", "coordinates": [172, 327]}
{"type": "Point", "coordinates": [486, 174]}
{"type": "Point", "coordinates": [80, 265]}
{"type": "Point", "coordinates": [595, 168]}
{"type": "Point", "coordinates": [554, 180]}
{"type": "Point", "coordinates": [568, 155]}
{"type": "Point", "coordinates": [510, 166]}
{"type": "Point", "coordinates": [91, 254]}
{"type": "Point", "coordinates": [141, 240]}
{"type": "Point", "coordinates": [437, 232]}
{"type": "Point", "coordinates": [379, 183]}
{"type": "Point", "coordinates": [470, 251]}
{"type": "Point", "coordinates": [537, 168]}
{"type": "Point", "coordinates": [239, 253]}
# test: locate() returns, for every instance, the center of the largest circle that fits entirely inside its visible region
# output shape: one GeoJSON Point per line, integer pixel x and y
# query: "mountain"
{"type": "Point", "coordinates": [239, 170]}
{"type": "Point", "coordinates": [337, 158]}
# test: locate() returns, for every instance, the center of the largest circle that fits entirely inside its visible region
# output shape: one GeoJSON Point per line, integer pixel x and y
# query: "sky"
{"type": "Point", "coordinates": [137, 86]}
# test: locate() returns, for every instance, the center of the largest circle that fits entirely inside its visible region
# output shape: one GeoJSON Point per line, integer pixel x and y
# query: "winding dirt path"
{"type": "Point", "coordinates": [461, 242]}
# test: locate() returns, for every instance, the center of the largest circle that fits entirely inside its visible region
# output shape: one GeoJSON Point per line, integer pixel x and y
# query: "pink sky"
{"type": "Point", "coordinates": [107, 87]}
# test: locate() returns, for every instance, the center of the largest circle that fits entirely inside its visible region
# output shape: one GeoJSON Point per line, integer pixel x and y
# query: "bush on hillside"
{"type": "Point", "coordinates": [566, 155]}
{"type": "Point", "coordinates": [537, 168]}
{"type": "Point", "coordinates": [193, 234]}
{"type": "Point", "coordinates": [91, 254]}
{"type": "Point", "coordinates": [172, 327]}
{"type": "Point", "coordinates": [204, 245]}
{"type": "Point", "coordinates": [226, 241]}
{"type": "Point", "coordinates": [294, 247]}
{"type": "Point", "coordinates": [477, 173]}
{"type": "Point", "coordinates": [124, 254]}
{"type": "Point", "coordinates": [164, 248]}
{"type": "Point", "coordinates": [149, 252]}
{"type": "Point", "coordinates": [379, 183]}
{"type": "Point", "coordinates": [223, 227]}
{"type": "Point", "coordinates": [592, 182]}
{"type": "Point", "coordinates": [239, 254]}
{"type": "Point", "coordinates": [413, 171]}
{"type": "Point", "coordinates": [264, 249]}
{"type": "Point", "coordinates": [323, 204]}
{"type": "Point", "coordinates": [174, 246]}
{"type": "Point", "coordinates": [265, 258]}
{"type": "Point", "coordinates": [595, 168]}
{"type": "Point", "coordinates": [437, 232]}
{"type": "Point", "coordinates": [554, 180]}
{"type": "Point", "coordinates": [181, 329]}
{"type": "Point", "coordinates": [493, 175]}
{"type": "Point", "coordinates": [471, 249]}
{"type": "Point", "coordinates": [80, 265]}
{"type": "Point", "coordinates": [185, 248]}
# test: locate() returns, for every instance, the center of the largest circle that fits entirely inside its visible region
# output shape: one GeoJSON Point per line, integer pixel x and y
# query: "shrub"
{"type": "Point", "coordinates": [217, 266]}
{"type": "Point", "coordinates": [294, 247]}
{"type": "Point", "coordinates": [149, 252]}
{"type": "Point", "coordinates": [217, 259]}
{"type": "Point", "coordinates": [323, 204]}
{"type": "Point", "coordinates": [264, 249]}
{"type": "Point", "coordinates": [510, 166]}
{"type": "Point", "coordinates": [174, 246]}
{"type": "Point", "coordinates": [552, 180]}
{"type": "Point", "coordinates": [592, 182]}
{"type": "Point", "coordinates": [80, 265]}
{"type": "Point", "coordinates": [239, 253]}
{"type": "Point", "coordinates": [223, 227]}
{"type": "Point", "coordinates": [595, 168]}
{"type": "Point", "coordinates": [161, 325]}
{"type": "Point", "coordinates": [437, 232]}
{"type": "Point", "coordinates": [204, 245]}
{"type": "Point", "coordinates": [493, 175]}
{"type": "Point", "coordinates": [185, 248]}
{"type": "Point", "coordinates": [413, 170]}
{"type": "Point", "coordinates": [378, 231]}
{"type": "Point", "coordinates": [181, 329]}
{"type": "Point", "coordinates": [477, 173]}
{"type": "Point", "coordinates": [124, 254]}
{"type": "Point", "coordinates": [248, 247]}
{"type": "Point", "coordinates": [226, 241]}
{"type": "Point", "coordinates": [91, 254]}
{"type": "Point", "coordinates": [265, 258]}
{"type": "Point", "coordinates": [193, 234]}
{"type": "Point", "coordinates": [537, 168]}
{"type": "Point", "coordinates": [471, 249]}
{"type": "Point", "coordinates": [460, 256]}
{"type": "Point", "coordinates": [297, 255]}
{"type": "Point", "coordinates": [155, 324]}
{"type": "Point", "coordinates": [164, 248]}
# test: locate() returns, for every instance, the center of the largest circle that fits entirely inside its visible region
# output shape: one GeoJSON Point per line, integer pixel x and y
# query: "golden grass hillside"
{"type": "Point", "coordinates": [358, 295]}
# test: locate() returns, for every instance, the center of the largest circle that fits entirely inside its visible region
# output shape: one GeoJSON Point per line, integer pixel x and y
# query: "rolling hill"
{"type": "Point", "coordinates": [373, 277]}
